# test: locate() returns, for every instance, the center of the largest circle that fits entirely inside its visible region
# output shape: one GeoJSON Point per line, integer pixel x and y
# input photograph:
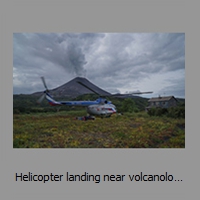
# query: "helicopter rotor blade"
{"type": "Point", "coordinates": [130, 94]}
{"type": "Point", "coordinates": [115, 95]}
{"type": "Point", "coordinates": [140, 93]}
{"type": "Point", "coordinates": [88, 87]}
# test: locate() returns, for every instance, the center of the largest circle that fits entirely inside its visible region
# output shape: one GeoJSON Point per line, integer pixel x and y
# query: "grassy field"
{"type": "Point", "coordinates": [62, 130]}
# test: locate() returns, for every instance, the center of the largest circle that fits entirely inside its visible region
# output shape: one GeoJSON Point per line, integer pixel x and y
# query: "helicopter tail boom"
{"type": "Point", "coordinates": [51, 101]}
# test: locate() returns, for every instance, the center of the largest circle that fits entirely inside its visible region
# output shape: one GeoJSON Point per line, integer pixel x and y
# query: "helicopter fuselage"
{"type": "Point", "coordinates": [106, 109]}
{"type": "Point", "coordinates": [98, 107]}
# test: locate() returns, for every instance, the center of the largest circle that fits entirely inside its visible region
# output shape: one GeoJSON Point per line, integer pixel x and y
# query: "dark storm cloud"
{"type": "Point", "coordinates": [113, 61]}
{"type": "Point", "coordinates": [61, 50]}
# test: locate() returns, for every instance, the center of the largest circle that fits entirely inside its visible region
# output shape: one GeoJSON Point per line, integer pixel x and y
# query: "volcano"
{"type": "Point", "coordinates": [73, 89]}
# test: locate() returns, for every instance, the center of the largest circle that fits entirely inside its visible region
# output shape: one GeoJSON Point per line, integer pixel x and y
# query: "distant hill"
{"type": "Point", "coordinates": [73, 89]}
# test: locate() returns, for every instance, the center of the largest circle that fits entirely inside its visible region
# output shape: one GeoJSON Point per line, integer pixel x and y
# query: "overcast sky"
{"type": "Point", "coordinates": [115, 62]}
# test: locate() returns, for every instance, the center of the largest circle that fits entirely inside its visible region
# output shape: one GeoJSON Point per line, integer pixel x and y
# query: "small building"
{"type": "Point", "coordinates": [162, 102]}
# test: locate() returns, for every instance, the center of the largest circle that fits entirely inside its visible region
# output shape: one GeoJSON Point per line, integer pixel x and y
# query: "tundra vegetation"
{"type": "Point", "coordinates": [45, 127]}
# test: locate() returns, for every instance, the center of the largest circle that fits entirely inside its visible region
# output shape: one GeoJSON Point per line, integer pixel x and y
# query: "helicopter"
{"type": "Point", "coordinates": [99, 107]}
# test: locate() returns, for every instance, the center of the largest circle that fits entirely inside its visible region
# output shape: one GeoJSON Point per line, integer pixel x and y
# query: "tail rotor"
{"type": "Point", "coordinates": [43, 96]}
{"type": "Point", "coordinates": [41, 99]}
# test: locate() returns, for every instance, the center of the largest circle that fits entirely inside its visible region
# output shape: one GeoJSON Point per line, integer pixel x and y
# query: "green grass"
{"type": "Point", "coordinates": [62, 130]}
